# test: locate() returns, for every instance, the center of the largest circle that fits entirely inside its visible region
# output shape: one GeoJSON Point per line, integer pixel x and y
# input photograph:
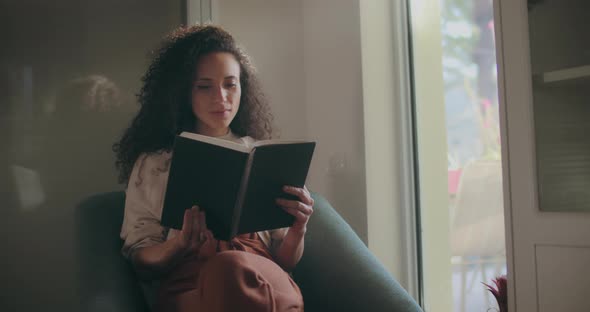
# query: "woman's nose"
{"type": "Point", "coordinates": [219, 93]}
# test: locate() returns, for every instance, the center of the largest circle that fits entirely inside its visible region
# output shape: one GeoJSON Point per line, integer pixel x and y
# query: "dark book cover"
{"type": "Point", "coordinates": [236, 188]}
{"type": "Point", "coordinates": [205, 175]}
{"type": "Point", "coordinates": [273, 166]}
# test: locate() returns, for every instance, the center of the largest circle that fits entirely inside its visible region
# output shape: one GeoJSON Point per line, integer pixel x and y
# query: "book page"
{"type": "Point", "coordinates": [215, 141]}
{"type": "Point", "coordinates": [277, 142]}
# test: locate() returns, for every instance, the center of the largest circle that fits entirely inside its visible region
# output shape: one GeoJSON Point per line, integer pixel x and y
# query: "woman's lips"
{"type": "Point", "coordinates": [221, 114]}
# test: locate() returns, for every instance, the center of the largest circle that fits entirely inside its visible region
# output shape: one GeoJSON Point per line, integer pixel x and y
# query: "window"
{"type": "Point", "coordinates": [458, 152]}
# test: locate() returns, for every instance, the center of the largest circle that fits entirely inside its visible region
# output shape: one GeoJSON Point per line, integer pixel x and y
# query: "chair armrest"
{"type": "Point", "coordinates": [338, 272]}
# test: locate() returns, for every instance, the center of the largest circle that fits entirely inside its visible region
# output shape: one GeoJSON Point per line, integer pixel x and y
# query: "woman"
{"type": "Point", "coordinates": [201, 81]}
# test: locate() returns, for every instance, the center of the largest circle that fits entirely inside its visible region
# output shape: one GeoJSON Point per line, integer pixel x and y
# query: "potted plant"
{"type": "Point", "coordinates": [500, 292]}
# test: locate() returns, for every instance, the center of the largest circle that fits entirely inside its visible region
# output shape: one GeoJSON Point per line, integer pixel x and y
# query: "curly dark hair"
{"type": "Point", "coordinates": [165, 96]}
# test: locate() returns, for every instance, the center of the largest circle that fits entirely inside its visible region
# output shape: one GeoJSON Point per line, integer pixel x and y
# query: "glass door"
{"type": "Point", "coordinates": [458, 152]}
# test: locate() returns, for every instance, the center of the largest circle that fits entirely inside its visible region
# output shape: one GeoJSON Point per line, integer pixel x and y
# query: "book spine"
{"type": "Point", "coordinates": [241, 195]}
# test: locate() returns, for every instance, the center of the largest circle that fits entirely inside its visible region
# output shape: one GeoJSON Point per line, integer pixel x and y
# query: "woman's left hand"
{"type": "Point", "coordinates": [301, 209]}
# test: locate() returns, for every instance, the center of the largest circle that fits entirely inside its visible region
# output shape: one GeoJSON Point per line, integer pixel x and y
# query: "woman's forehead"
{"type": "Point", "coordinates": [217, 69]}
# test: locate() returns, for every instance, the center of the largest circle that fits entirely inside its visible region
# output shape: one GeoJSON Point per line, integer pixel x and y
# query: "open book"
{"type": "Point", "coordinates": [236, 185]}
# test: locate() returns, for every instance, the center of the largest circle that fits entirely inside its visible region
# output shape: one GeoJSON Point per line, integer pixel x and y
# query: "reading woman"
{"type": "Point", "coordinates": [201, 81]}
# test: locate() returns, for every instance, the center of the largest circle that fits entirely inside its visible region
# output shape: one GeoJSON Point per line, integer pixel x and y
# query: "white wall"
{"type": "Point", "coordinates": [272, 34]}
{"type": "Point", "coordinates": [308, 56]}
{"type": "Point", "coordinates": [333, 82]}
{"type": "Point", "coordinates": [382, 146]}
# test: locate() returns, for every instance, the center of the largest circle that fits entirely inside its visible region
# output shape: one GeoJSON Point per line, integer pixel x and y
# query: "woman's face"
{"type": "Point", "coordinates": [216, 93]}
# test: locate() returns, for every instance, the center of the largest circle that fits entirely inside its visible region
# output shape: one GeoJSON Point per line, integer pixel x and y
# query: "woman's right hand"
{"type": "Point", "coordinates": [194, 232]}
{"type": "Point", "coordinates": [153, 261]}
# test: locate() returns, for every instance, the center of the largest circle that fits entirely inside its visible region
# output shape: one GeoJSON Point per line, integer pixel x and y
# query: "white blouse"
{"type": "Point", "coordinates": [145, 198]}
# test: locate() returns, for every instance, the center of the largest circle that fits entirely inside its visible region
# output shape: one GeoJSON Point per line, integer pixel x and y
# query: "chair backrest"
{"type": "Point", "coordinates": [106, 278]}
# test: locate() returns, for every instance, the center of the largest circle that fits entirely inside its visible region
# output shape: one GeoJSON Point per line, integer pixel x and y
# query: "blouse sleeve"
{"type": "Point", "coordinates": [276, 237]}
{"type": "Point", "coordinates": [143, 204]}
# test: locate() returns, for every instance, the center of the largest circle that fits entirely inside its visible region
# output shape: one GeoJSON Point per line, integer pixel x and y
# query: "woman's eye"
{"type": "Point", "coordinates": [203, 87]}
{"type": "Point", "coordinates": [231, 85]}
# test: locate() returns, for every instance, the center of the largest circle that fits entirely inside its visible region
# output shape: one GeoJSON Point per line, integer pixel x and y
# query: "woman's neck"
{"type": "Point", "coordinates": [214, 133]}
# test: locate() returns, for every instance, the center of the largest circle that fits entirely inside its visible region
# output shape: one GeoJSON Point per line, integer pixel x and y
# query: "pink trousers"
{"type": "Point", "coordinates": [229, 276]}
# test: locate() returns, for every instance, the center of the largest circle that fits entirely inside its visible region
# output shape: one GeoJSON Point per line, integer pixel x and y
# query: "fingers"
{"type": "Point", "coordinates": [302, 193]}
{"type": "Point", "coordinates": [202, 227]}
{"type": "Point", "coordinates": [200, 224]}
{"type": "Point", "coordinates": [202, 221]}
{"type": "Point", "coordinates": [187, 228]}
{"type": "Point", "coordinates": [208, 247]}
{"type": "Point", "coordinates": [194, 231]}
{"type": "Point", "coordinates": [195, 221]}
{"type": "Point", "coordinates": [299, 216]}
{"type": "Point", "coordinates": [209, 235]}
{"type": "Point", "coordinates": [295, 206]}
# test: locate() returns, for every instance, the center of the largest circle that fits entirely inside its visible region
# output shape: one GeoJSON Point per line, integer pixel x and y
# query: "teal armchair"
{"type": "Point", "coordinates": [336, 273]}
